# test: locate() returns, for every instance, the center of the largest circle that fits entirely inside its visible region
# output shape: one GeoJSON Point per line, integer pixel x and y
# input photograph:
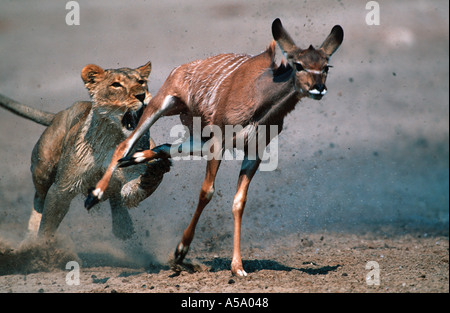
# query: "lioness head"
{"type": "Point", "coordinates": [118, 93]}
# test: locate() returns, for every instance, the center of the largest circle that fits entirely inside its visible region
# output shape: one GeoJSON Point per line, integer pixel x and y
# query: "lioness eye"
{"type": "Point", "coordinates": [299, 67]}
{"type": "Point", "coordinates": [116, 85]}
{"type": "Point", "coordinates": [142, 82]}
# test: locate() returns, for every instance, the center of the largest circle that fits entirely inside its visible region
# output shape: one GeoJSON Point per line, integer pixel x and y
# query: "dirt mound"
{"type": "Point", "coordinates": [34, 256]}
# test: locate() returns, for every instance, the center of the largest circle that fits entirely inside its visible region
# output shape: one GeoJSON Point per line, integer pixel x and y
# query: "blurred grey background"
{"type": "Point", "coordinates": [372, 156]}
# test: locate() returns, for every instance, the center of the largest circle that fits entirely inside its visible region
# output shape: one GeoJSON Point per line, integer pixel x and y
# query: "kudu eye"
{"type": "Point", "coordinates": [298, 67]}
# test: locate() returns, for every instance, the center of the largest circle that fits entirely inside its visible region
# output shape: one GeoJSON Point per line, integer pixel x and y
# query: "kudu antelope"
{"type": "Point", "coordinates": [230, 89]}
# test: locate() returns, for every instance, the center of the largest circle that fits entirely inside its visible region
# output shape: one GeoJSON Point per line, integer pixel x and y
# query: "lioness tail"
{"type": "Point", "coordinates": [38, 116]}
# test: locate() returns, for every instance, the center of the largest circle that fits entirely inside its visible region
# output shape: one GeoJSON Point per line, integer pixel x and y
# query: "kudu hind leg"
{"type": "Point", "coordinates": [205, 196]}
{"type": "Point", "coordinates": [164, 151]}
{"type": "Point", "coordinates": [159, 152]}
{"type": "Point", "coordinates": [160, 105]}
{"type": "Point", "coordinates": [95, 194]}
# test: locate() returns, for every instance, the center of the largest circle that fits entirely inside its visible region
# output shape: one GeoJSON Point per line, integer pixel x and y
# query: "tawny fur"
{"type": "Point", "coordinates": [76, 147]}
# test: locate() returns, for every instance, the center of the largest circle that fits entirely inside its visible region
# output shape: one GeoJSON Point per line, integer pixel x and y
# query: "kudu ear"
{"type": "Point", "coordinates": [145, 69]}
{"type": "Point", "coordinates": [333, 41]}
{"type": "Point", "coordinates": [282, 38]}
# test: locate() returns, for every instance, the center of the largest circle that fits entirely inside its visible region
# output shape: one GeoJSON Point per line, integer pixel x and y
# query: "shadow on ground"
{"type": "Point", "coordinates": [221, 264]}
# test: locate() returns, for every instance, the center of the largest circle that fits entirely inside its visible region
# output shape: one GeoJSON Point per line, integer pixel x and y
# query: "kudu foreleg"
{"type": "Point", "coordinates": [248, 170]}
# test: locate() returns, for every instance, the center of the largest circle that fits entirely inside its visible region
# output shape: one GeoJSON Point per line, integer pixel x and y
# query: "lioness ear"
{"type": "Point", "coordinates": [91, 74]}
{"type": "Point", "coordinates": [145, 69]}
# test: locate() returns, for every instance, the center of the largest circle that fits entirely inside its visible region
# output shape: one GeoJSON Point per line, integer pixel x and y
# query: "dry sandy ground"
{"type": "Point", "coordinates": [312, 263]}
{"type": "Point", "coordinates": [363, 175]}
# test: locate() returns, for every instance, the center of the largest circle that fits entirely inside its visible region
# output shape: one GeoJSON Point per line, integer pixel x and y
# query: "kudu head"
{"type": "Point", "coordinates": [310, 65]}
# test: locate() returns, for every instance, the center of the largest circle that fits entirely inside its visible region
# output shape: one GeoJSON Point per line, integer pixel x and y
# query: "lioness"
{"type": "Point", "coordinates": [74, 150]}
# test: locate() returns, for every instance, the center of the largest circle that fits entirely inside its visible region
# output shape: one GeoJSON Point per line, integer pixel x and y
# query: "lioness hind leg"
{"type": "Point", "coordinates": [36, 212]}
{"type": "Point", "coordinates": [33, 223]}
{"type": "Point", "coordinates": [122, 225]}
{"type": "Point", "coordinates": [57, 204]}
